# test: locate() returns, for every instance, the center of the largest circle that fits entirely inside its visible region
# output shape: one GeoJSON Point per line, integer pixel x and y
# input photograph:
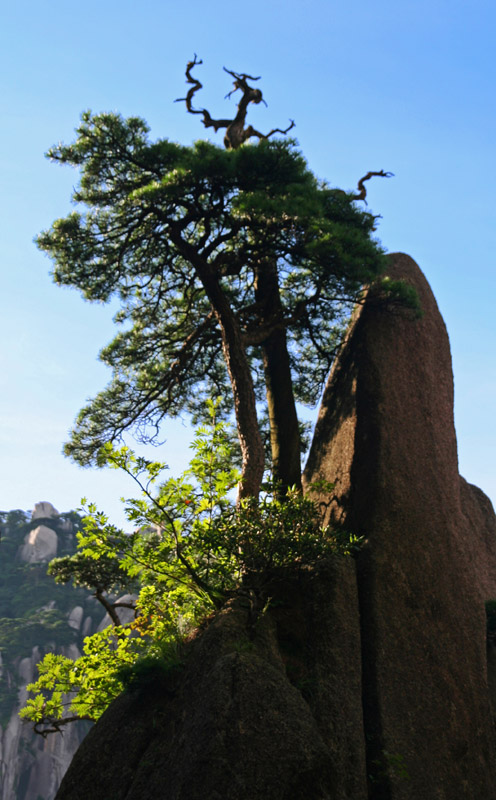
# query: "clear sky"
{"type": "Point", "coordinates": [401, 86]}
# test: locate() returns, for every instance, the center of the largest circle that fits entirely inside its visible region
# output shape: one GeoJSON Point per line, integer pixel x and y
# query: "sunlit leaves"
{"type": "Point", "coordinates": [191, 549]}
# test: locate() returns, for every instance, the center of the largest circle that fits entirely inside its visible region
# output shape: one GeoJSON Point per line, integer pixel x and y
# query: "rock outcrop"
{"type": "Point", "coordinates": [367, 678]}
{"type": "Point", "coordinates": [259, 712]}
{"type": "Point", "coordinates": [32, 767]}
{"type": "Point", "coordinates": [44, 510]}
{"type": "Point", "coordinates": [40, 544]}
{"type": "Point", "coordinates": [385, 437]}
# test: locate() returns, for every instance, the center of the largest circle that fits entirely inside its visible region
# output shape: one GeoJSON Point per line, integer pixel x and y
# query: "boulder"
{"type": "Point", "coordinates": [385, 438]}
{"type": "Point", "coordinates": [40, 544]}
{"type": "Point", "coordinates": [75, 617]}
{"type": "Point", "coordinates": [260, 711]}
{"type": "Point", "coordinates": [44, 510]}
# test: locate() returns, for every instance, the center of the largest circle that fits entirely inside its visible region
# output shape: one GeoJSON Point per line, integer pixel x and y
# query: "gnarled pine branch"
{"type": "Point", "coordinates": [362, 191]}
{"type": "Point", "coordinates": [236, 130]}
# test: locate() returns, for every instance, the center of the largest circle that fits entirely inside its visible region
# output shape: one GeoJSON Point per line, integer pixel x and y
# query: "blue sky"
{"type": "Point", "coordinates": [406, 87]}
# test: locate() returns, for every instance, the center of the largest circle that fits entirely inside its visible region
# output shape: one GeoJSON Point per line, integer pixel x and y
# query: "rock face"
{"type": "Point", "coordinates": [270, 711]}
{"type": "Point", "coordinates": [367, 680]}
{"type": "Point", "coordinates": [32, 767]}
{"type": "Point", "coordinates": [385, 437]}
{"type": "Point", "coordinates": [43, 510]}
{"type": "Point", "coordinates": [480, 542]}
{"type": "Point", "coordinates": [40, 544]}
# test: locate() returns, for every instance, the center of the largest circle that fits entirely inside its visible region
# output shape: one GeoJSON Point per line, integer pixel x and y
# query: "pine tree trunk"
{"type": "Point", "coordinates": [252, 451]}
{"type": "Point", "coordinates": [284, 429]}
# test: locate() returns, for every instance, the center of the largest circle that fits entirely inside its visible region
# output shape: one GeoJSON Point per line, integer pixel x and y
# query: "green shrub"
{"type": "Point", "coordinates": [193, 548]}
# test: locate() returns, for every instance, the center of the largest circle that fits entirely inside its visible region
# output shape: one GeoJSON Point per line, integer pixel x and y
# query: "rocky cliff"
{"type": "Point", "coordinates": [385, 437]}
{"type": "Point", "coordinates": [364, 679]}
{"type": "Point", "coordinates": [36, 616]}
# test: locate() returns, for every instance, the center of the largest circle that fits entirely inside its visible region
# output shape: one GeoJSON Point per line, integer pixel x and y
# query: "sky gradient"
{"type": "Point", "coordinates": [405, 87]}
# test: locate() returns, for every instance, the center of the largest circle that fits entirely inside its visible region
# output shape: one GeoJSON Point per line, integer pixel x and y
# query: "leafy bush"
{"type": "Point", "coordinates": [193, 549]}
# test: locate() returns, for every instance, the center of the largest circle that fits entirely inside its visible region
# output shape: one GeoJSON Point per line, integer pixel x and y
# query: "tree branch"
{"type": "Point", "coordinates": [362, 193]}
{"type": "Point", "coordinates": [236, 132]}
{"type": "Point", "coordinates": [207, 119]}
{"type": "Point", "coordinates": [57, 724]}
{"type": "Point", "coordinates": [109, 607]}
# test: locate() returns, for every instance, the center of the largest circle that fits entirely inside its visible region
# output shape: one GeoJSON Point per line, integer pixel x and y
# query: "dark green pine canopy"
{"type": "Point", "coordinates": [235, 270]}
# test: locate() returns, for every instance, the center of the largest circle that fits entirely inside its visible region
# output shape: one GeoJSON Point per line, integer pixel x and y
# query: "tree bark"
{"type": "Point", "coordinates": [108, 606]}
{"type": "Point", "coordinates": [283, 419]}
{"type": "Point", "coordinates": [252, 451]}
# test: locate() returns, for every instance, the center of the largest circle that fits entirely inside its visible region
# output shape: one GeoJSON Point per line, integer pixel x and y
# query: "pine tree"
{"type": "Point", "coordinates": [235, 269]}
